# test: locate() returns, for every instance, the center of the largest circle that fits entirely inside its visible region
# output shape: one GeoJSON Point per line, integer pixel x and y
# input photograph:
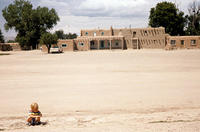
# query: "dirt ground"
{"type": "Point", "coordinates": [102, 91]}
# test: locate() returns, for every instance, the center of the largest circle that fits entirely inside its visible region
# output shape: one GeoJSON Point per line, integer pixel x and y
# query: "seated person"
{"type": "Point", "coordinates": [34, 115]}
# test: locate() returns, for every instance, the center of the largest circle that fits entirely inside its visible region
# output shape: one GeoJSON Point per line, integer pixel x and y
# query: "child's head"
{"type": "Point", "coordinates": [34, 107]}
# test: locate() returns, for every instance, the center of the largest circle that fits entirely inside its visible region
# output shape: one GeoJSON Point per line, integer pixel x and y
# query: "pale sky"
{"type": "Point", "coordinates": [90, 14]}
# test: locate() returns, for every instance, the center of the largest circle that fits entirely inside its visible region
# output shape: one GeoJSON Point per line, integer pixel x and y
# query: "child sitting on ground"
{"type": "Point", "coordinates": [34, 115]}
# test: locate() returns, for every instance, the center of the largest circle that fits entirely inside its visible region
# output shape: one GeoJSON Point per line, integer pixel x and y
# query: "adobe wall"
{"type": "Point", "coordinates": [183, 42]}
{"type": "Point", "coordinates": [15, 46]}
{"type": "Point", "coordinates": [147, 37]}
{"type": "Point", "coordinates": [126, 33]}
{"type": "Point", "coordinates": [81, 45]}
{"type": "Point", "coordinates": [67, 44]}
{"type": "Point", "coordinates": [153, 38]}
{"type": "Point", "coordinates": [97, 32]}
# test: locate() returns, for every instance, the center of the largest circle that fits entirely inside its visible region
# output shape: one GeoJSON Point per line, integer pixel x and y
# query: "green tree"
{"type": "Point", "coordinates": [1, 37]}
{"type": "Point", "coordinates": [48, 39]}
{"type": "Point", "coordinates": [60, 34]}
{"type": "Point", "coordinates": [70, 36]}
{"type": "Point", "coordinates": [166, 14]}
{"type": "Point", "coordinates": [11, 41]}
{"type": "Point", "coordinates": [193, 19]}
{"type": "Point", "coordinates": [29, 23]}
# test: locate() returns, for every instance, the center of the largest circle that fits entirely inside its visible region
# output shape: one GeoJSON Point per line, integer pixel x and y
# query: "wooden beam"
{"type": "Point", "coordinates": [98, 44]}
{"type": "Point", "coordinates": [122, 43]}
{"type": "Point", "coordinates": [88, 44]}
{"type": "Point", "coordinates": [110, 44]}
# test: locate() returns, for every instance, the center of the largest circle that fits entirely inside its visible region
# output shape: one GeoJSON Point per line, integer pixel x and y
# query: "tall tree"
{"type": "Point", "coordinates": [48, 39]}
{"type": "Point", "coordinates": [60, 34]}
{"type": "Point", "coordinates": [71, 36]}
{"type": "Point", "coordinates": [193, 19]}
{"type": "Point", "coordinates": [1, 37]}
{"type": "Point", "coordinates": [29, 23]}
{"type": "Point", "coordinates": [11, 41]}
{"type": "Point", "coordinates": [166, 14]}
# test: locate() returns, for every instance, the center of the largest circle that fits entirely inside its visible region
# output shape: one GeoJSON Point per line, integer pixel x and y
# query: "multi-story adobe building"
{"type": "Point", "coordinates": [127, 38]}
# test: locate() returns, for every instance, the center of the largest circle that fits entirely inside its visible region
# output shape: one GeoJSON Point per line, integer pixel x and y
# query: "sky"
{"type": "Point", "coordinates": [93, 14]}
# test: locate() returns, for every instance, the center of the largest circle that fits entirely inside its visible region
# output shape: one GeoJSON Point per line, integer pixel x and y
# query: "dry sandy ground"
{"type": "Point", "coordinates": [102, 91]}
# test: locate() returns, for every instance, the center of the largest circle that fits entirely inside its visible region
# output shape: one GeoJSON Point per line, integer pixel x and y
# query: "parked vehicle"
{"type": "Point", "coordinates": [56, 49]}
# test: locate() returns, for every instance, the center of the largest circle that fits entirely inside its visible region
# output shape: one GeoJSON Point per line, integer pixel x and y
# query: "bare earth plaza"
{"type": "Point", "coordinates": [129, 90]}
{"type": "Point", "coordinates": [113, 79]}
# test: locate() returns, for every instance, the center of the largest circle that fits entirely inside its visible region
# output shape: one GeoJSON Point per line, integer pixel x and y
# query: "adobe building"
{"type": "Point", "coordinates": [127, 38]}
{"type": "Point", "coordinates": [183, 42]}
{"type": "Point", "coordinates": [10, 47]}
{"type": "Point", "coordinates": [67, 45]}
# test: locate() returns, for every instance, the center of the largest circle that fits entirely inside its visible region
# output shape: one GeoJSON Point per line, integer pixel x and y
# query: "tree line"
{"type": "Point", "coordinates": [33, 25]}
{"type": "Point", "coordinates": [167, 14]}
{"type": "Point", "coordinates": [29, 23]}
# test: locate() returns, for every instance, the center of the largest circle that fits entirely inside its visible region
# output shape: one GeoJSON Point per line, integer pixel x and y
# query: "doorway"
{"type": "Point", "coordinates": [102, 44]}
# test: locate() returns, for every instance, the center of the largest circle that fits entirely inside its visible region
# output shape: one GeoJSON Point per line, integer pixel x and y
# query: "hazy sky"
{"type": "Point", "coordinates": [86, 14]}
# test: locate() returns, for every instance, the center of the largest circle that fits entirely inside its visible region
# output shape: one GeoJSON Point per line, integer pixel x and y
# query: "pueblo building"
{"type": "Point", "coordinates": [183, 42]}
{"type": "Point", "coordinates": [127, 38]}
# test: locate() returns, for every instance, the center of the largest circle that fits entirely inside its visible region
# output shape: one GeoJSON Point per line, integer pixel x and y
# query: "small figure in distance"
{"type": "Point", "coordinates": [34, 115]}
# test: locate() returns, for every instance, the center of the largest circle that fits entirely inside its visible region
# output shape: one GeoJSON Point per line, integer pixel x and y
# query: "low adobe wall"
{"type": "Point", "coordinates": [15, 46]}
{"type": "Point", "coordinates": [81, 45]}
{"type": "Point", "coordinates": [10, 46]}
{"type": "Point", "coordinates": [66, 45]}
{"type": "Point", "coordinates": [5, 47]}
{"type": "Point", "coordinates": [183, 42]}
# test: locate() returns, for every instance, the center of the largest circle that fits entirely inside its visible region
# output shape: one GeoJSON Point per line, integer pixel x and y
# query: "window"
{"type": "Point", "coordinates": [95, 34]}
{"type": "Point", "coordinates": [145, 32]}
{"type": "Point", "coordinates": [134, 34]}
{"type": "Point", "coordinates": [81, 44]}
{"type": "Point", "coordinates": [173, 42]}
{"type": "Point", "coordinates": [102, 33]}
{"type": "Point", "coordinates": [64, 45]}
{"type": "Point", "coordinates": [86, 33]}
{"type": "Point", "coordinates": [182, 42]}
{"type": "Point", "coordinates": [193, 42]}
{"type": "Point", "coordinates": [117, 43]}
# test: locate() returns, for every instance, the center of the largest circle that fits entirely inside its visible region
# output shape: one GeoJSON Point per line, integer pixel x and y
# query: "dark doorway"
{"type": "Point", "coordinates": [93, 45]}
{"type": "Point", "coordinates": [102, 44]}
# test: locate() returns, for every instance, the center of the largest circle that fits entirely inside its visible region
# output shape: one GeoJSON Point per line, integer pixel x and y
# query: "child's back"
{"type": "Point", "coordinates": [34, 115]}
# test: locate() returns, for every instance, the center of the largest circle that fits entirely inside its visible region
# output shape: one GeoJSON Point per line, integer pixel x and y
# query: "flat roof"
{"type": "Point", "coordinates": [99, 37]}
